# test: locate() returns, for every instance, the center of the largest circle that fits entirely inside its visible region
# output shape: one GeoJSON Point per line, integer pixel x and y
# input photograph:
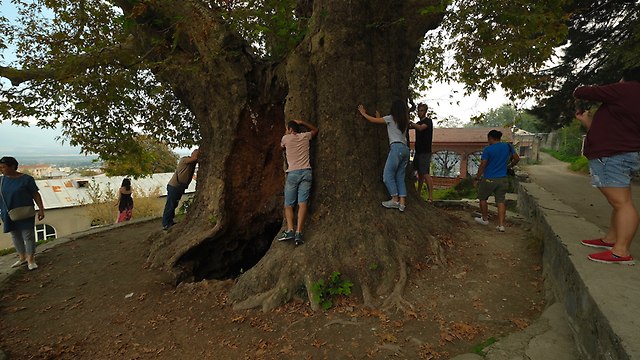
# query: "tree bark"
{"type": "Point", "coordinates": [353, 52]}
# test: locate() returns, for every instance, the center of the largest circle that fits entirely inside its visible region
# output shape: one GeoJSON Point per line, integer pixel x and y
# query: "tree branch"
{"type": "Point", "coordinates": [124, 54]}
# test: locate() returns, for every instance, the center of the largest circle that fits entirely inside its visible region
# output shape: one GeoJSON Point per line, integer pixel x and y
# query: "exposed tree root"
{"type": "Point", "coordinates": [397, 350]}
{"type": "Point", "coordinates": [340, 322]}
{"type": "Point", "coordinates": [259, 300]}
{"type": "Point", "coordinates": [376, 260]}
{"type": "Point", "coordinates": [395, 298]}
{"type": "Point", "coordinates": [367, 299]}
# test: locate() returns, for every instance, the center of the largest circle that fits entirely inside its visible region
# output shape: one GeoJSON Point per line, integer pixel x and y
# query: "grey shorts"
{"type": "Point", "coordinates": [422, 163]}
{"type": "Point", "coordinates": [497, 187]}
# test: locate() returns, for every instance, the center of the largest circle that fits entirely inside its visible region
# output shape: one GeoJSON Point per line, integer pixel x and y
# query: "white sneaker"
{"type": "Point", "coordinates": [500, 228]}
{"type": "Point", "coordinates": [401, 208]}
{"type": "Point", "coordinates": [390, 204]}
{"type": "Point", "coordinates": [481, 221]}
{"type": "Point", "coordinates": [33, 266]}
{"type": "Point", "coordinates": [18, 263]}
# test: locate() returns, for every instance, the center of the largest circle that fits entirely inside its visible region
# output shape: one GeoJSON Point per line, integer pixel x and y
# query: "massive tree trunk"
{"type": "Point", "coordinates": [353, 52]}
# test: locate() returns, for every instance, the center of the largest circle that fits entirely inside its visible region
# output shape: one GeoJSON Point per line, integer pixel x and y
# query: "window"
{"type": "Point", "coordinates": [45, 232]}
{"type": "Point", "coordinates": [81, 183]}
{"type": "Point", "coordinates": [446, 163]}
{"type": "Point", "coordinates": [523, 150]}
{"type": "Point", "coordinates": [473, 162]}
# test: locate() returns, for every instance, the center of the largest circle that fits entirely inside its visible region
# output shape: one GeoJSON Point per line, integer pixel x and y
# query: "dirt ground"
{"type": "Point", "coordinates": [93, 298]}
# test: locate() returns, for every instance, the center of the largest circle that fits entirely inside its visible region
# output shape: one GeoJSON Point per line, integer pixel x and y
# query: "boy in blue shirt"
{"type": "Point", "coordinates": [492, 173]}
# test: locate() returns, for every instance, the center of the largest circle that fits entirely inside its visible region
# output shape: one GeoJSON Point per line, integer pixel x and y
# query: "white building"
{"type": "Point", "coordinates": [65, 202]}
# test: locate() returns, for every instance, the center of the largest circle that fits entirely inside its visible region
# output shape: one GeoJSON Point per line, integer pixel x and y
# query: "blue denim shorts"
{"type": "Point", "coordinates": [298, 187]}
{"type": "Point", "coordinates": [614, 171]}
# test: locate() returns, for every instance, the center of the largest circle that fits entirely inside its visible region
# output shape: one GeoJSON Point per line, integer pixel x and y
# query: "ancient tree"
{"type": "Point", "coordinates": [227, 75]}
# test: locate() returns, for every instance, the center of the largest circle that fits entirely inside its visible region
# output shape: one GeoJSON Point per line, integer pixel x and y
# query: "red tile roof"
{"type": "Point", "coordinates": [464, 135]}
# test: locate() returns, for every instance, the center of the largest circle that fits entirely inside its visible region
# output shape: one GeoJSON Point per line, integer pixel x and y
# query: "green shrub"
{"type": "Point", "coordinates": [324, 293]}
{"type": "Point", "coordinates": [581, 164]}
{"type": "Point", "coordinates": [465, 189]}
{"type": "Point", "coordinates": [562, 156]}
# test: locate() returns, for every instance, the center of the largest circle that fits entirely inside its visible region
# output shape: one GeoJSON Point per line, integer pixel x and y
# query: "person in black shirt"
{"type": "Point", "coordinates": [422, 158]}
{"type": "Point", "coordinates": [125, 201]}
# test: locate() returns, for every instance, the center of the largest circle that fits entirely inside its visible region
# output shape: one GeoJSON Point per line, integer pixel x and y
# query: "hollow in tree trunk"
{"type": "Point", "coordinates": [353, 52]}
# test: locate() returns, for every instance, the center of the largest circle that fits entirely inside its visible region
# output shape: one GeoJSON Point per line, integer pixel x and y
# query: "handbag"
{"type": "Point", "coordinates": [22, 212]}
{"type": "Point", "coordinates": [19, 213]}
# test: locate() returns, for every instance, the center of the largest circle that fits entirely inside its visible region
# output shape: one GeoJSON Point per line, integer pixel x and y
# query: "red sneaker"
{"type": "Point", "coordinates": [596, 243]}
{"type": "Point", "coordinates": [607, 257]}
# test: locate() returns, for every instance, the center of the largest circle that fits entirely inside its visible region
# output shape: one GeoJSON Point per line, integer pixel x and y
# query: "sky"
{"type": "Point", "coordinates": [16, 139]}
{"type": "Point", "coordinates": [32, 140]}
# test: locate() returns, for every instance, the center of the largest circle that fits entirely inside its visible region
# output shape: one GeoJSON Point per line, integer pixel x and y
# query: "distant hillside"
{"type": "Point", "coordinates": [23, 142]}
{"type": "Point", "coordinates": [32, 145]}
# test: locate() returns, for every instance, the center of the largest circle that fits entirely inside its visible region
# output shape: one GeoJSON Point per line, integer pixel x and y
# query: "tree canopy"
{"type": "Point", "coordinates": [507, 115]}
{"type": "Point", "coordinates": [542, 50]}
{"type": "Point", "coordinates": [144, 156]}
{"type": "Point", "coordinates": [78, 63]}
{"type": "Point", "coordinates": [227, 74]}
{"type": "Point", "coordinates": [603, 39]}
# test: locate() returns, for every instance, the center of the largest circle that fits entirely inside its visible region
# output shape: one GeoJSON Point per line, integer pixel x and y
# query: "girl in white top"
{"type": "Point", "coordinates": [398, 158]}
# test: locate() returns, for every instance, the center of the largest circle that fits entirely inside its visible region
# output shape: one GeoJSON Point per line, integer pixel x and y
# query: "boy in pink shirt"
{"type": "Point", "coordinates": [298, 184]}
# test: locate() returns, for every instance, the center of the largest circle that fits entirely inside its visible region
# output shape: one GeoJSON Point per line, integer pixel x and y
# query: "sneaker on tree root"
{"type": "Point", "coordinates": [390, 204]}
{"type": "Point", "coordinates": [286, 235]}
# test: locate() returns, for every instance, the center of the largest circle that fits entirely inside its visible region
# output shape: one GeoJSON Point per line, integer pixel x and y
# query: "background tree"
{"type": "Point", "coordinates": [227, 75]}
{"type": "Point", "coordinates": [450, 122]}
{"type": "Point", "coordinates": [143, 156]}
{"type": "Point", "coordinates": [507, 116]}
{"type": "Point", "coordinates": [603, 39]}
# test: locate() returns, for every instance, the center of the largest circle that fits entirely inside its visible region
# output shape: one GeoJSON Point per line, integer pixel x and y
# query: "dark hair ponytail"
{"type": "Point", "coordinates": [126, 183]}
{"type": "Point", "coordinates": [400, 114]}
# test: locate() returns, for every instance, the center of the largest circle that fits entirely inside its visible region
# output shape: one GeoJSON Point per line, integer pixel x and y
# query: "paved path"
{"type": "Point", "coordinates": [575, 190]}
{"type": "Point", "coordinates": [550, 337]}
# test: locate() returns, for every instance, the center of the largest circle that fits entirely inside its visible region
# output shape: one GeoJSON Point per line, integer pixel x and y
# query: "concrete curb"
{"type": "Point", "coordinates": [600, 300]}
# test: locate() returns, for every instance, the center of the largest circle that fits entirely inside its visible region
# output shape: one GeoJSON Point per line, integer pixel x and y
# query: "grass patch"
{"type": "Point", "coordinates": [580, 165]}
{"type": "Point", "coordinates": [577, 163]}
{"type": "Point", "coordinates": [12, 250]}
{"type": "Point", "coordinates": [465, 189]}
{"type": "Point", "coordinates": [478, 348]}
{"type": "Point", "coordinates": [562, 156]}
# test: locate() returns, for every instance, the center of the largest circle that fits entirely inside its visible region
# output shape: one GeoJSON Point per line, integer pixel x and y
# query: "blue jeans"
{"type": "Point", "coordinates": [395, 169]}
{"type": "Point", "coordinates": [614, 171]}
{"type": "Point", "coordinates": [173, 199]}
{"type": "Point", "coordinates": [298, 187]}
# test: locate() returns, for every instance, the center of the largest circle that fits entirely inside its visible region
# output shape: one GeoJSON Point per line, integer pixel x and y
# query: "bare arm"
{"type": "Point", "coordinates": [193, 158]}
{"type": "Point", "coordinates": [314, 129]}
{"type": "Point", "coordinates": [375, 120]}
{"type": "Point", "coordinates": [419, 127]}
{"type": "Point", "coordinates": [585, 118]}
{"type": "Point", "coordinates": [483, 165]}
{"type": "Point", "coordinates": [515, 158]}
{"type": "Point", "coordinates": [38, 199]}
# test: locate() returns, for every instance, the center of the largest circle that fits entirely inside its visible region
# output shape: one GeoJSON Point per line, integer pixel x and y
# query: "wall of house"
{"type": "Point", "coordinates": [445, 182]}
